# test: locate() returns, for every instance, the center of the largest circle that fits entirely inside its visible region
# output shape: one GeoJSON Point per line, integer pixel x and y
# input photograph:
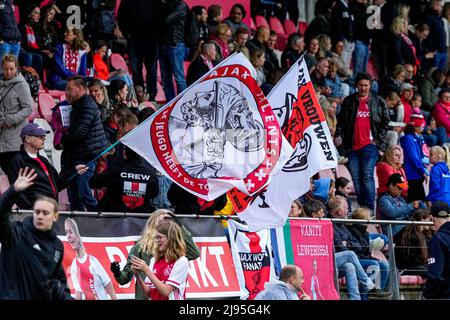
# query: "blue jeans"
{"type": "Point", "coordinates": [79, 193]}
{"type": "Point", "coordinates": [377, 270]}
{"type": "Point", "coordinates": [360, 57]}
{"type": "Point", "coordinates": [7, 47]}
{"type": "Point", "coordinates": [440, 60]}
{"type": "Point", "coordinates": [32, 59]}
{"type": "Point", "coordinates": [144, 52]}
{"type": "Point", "coordinates": [361, 164]}
{"type": "Point", "coordinates": [171, 61]}
{"type": "Point", "coordinates": [348, 266]}
{"type": "Point", "coordinates": [161, 201]}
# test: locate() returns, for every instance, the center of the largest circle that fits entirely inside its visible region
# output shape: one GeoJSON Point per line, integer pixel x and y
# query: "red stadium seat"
{"type": "Point", "coordinates": [261, 21]}
{"type": "Point", "coordinates": [186, 67]}
{"type": "Point", "coordinates": [118, 62]}
{"type": "Point", "coordinates": [289, 27]}
{"type": "Point", "coordinates": [17, 14]}
{"type": "Point", "coordinates": [252, 25]}
{"type": "Point", "coordinates": [160, 96]}
{"type": "Point", "coordinates": [302, 26]}
{"type": "Point", "coordinates": [56, 94]}
{"type": "Point", "coordinates": [275, 25]}
{"type": "Point", "coordinates": [45, 105]}
{"type": "Point", "coordinates": [371, 69]}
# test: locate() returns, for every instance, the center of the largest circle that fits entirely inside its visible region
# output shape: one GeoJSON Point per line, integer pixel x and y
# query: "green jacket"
{"type": "Point", "coordinates": [127, 274]}
{"type": "Point", "coordinates": [427, 89]}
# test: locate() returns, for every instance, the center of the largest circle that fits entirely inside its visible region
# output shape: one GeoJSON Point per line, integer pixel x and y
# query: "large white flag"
{"type": "Point", "coordinates": [303, 123]}
{"type": "Point", "coordinates": [218, 134]}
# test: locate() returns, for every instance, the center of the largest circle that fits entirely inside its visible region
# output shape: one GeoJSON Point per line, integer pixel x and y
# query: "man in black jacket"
{"type": "Point", "coordinates": [83, 142]}
{"type": "Point", "coordinates": [438, 275]}
{"type": "Point", "coordinates": [31, 255]}
{"type": "Point", "coordinates": [202, 64]}
{"type": "Point", "coordinates": [131, 186]}
{"type": "Point", "coordinates": [48, 183]}
{"type": "Point", "coordinates": [361, 128]}
{"type": "Point", "coordinates": [10, 36]}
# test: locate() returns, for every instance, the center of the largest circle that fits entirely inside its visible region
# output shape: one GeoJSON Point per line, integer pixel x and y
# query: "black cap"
{"type": "Point", "coordinates": [440, 209]}
{"type": "Point", "coordinates": [398, 180]}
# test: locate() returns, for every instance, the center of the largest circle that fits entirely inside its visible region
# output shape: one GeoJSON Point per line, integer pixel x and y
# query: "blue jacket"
{"type": "Point", "coordinates": [412, 148]}
{"type": "Point", "coordinates": [391, 208]}
{"type": "Point", "coordinates": [322, 189]}
{"type": "Point", "coordinates": [59, 72]}
{"type": "Point", "coordinates": [335, 85]}
{"type": "Point", "coordinates": [439, 183]}
{"type": "Point", "coordinates": [438, 276]}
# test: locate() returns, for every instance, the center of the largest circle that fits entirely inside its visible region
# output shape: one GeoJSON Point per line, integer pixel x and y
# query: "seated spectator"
{"type": "Point", "coordinates": [416, 153]}
{"type": "Point", "coordinates": [391, 162]}
{"type": "Point", "coordinates": [260, 41]}
{"type": "Point", "coordinates": [31, 54]}
{"type": "Point", "coordinates": [202, 64]}
{"type": "Point", "coordinates": [343, 189]}
{"type": "Point", "coordinates": [294, 48]}
{"type": "Point", "coordinates": [318, 76]}
{"type": "Point", "coordinates": [378, 270]}
{"type": "Point", "coordinates": [411, 245]}
{"type": "Point", "coordinates": [439, 176]}
{"type": "Point", "coordinates": [312, 48]}
{"type": "Point", "coordinates": [119, 43]}
{"type": "Point", "coordinates": [120, 196]}
{"type": "Point", "coordinates": [234, 20]}
{"type": "Point", "coordinates": [323, 189]}
{"type": "Point", "coordinates": [330, 107]}
{"type": "Point", "coordinates": [240, 39]}
{"type": "Point", "coordinates": [428, 87]}
{"type": "Point", "coordinates": [343, 70]}
{"type": "Point", "coordinates": [393, 81]}
{"type": "Point", "coordinates": [99, 93]}
{"type": "Point", "coordinates": [49, 32]}
{"type": "Point", "coordinates": [271, 46]}
{"type": "Point", "coordinates": [272, 78]}
{"type": "Point", "coordinates": [314, 209]}
{"type": "Point", "coordinates": [324, 46]}
{"type": "Point", "coordinates": [69, 60]}
{"type": "Point", "coordinates": [296, 209]}
{"type": "Point", "coordinates": [441, 110]}
{"type": "Point", "coordinates": [339, 89]}
{"type": "Point", "coordinates": [87, 47]}
{"type": "Point", "coordinates": [100, 67]}
{"type": "Point", "coordinates": [118, 95]}
{"type": "Point", "coordinates": [406, 95]}
{"type": "Point", "coordinates": [48, 182]}
{"type": "Point", "coordinates": [391, 204]}
{"type": "Point", "coordinates": [289, 287]}
{"type": "Point", "coordinates": [258, 58]}
{"type": "Point", "coordinates": [221, 38]}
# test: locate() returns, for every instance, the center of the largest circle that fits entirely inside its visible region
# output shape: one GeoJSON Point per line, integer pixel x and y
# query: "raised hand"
{"type": "Point", "coordinates": [25, 179]}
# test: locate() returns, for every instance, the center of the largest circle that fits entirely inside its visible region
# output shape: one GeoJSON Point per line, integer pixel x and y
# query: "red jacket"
{"type": "Point", "coordinates": [384, 170]}
{"type": "Point", "coordinates": [442, 116]}
{"type": "Point", "coordinates": [100, 67]}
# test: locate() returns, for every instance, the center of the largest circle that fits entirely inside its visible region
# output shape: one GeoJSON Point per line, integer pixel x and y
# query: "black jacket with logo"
{"type": "Point", "coordinates": [131, 186]}
{"type": "Point", "coordinates": [30, 260]}
{"type": "Point", "coordinates": [379, 120]}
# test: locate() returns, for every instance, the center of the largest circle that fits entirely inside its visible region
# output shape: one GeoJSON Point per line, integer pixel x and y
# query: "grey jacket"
{"type": "Point", "coordinates": [15, 108]}
{"type": "Point", "coordinates": [277, 290]}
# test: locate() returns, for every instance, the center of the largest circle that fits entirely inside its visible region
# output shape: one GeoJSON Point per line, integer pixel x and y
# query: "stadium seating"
{"type": "Point", "coordinates": [302, 26]}
{"type": "Point", "coordinates": [17, 14]}
{"type": "Point", "coordinates": [342, 171]}
{"type": "Point", "coordinates": [275, 25]}
{"type": "Point", "coordinates": [45, 105]}
{"type": "Point", "coordinates": [35, 114]}
{"type": "Point", "coordinates": [289, 27]}
{"type": "Point", "coordinates": [261, 21]}
{"type": "Point", "coordinates": [119, 63]}
{"type": "Point", "coordinates": [148, 104]}
{"type": "Point", "coordinates": [252, 25]}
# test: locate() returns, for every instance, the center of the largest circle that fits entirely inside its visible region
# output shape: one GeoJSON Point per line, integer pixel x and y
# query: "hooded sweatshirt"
{"type": "Point", "coordinates": [277, 290]}
{"type": "Point", "coordinates": [439, 183]}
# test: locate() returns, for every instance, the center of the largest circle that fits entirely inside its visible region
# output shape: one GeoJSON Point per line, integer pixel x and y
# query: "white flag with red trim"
{"type": "Point", "coordinates": [218, 134]}
{"type": "Point", "coordinates": [303, 123]}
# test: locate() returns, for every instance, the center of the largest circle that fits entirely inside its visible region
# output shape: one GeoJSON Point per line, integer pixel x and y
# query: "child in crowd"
{"type": "Point", "coordinates": [314, 209]}
{"type": "Point", "coordinates": [439, 176]}
{"type": "Point", "coordinates": [343, 188]}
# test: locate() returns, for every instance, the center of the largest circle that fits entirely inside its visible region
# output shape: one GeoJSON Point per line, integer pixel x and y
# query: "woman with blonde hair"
{"type": "Point", "coordinates": [143, 250]}
{"type": "Point", "coordinates": [401, 48]}
{"type": "Point", "coordinates": [166, 276]}
{"type": "Point", "coordinates": [392, 162]}
{"type": "Point", "coordinates": [221, 38]}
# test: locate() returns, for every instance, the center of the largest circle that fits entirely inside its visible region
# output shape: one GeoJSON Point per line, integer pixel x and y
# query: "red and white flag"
{"type": "Point", "coordinates": [303, 123]}
{"type": "Point", "coordinates": [218, 134]}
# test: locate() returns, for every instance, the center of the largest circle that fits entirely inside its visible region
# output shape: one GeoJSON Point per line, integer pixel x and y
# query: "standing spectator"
{"type": "Point", "coordinates": [391, 204]}
{"type": "Point", "coordinates": [47, 183]}
{"type": "Point", "coordinates": [439, 176]}
{"type": "Point", "coordinates": [288, 287]}
{"type": "Point", "coordinates": [16, 104]}
{"type": "Point", "coordinates": [143, 250]}
{"type": "Point", "coordinates": [138, 20]}
{"type": "Point", "coordinates": [89, 278]}
{"type": "Point", "coordinates": [411, 245]}
{"type": "Point", "coordinates": [234, 20]}
{"type": "Point", "coordinates": [202, 64]}
{"type": "Point", "coordinates": [401, 48]}
{"type": "Point", "coordinates": [168, 271]}
{"type": "Point", "coordinates": [425, 55]}
{"type": "Point", "coordinates": [391, 162]}
{"type": "Point", "coordinates": [28, 273]}
{"type": "Point", "coordinates": [342, 29]}
{"type": "Point", "coordinates": [103, 20]}
{"type": "Point", "coordinates": [202, 16]}
{"type": "Point", "coordinates": [294, 48]}
{"type": "Point", "coordinates": [83, 142]}
{"type": "Point", "coordinates": [69, 59]}
{"type": "Point", "coordinates": [220, 39]}
{"type": "Point", "coordinates": [441, 110]}
{"type": "Point", "coordinates": [214, 17]}
{"type": "Point", "coordinates": [320, 24]}
{"type": "Point", "coordinates": [100, 67]}
{"type": "Point", "coordinates": [362, 128]}
{"type": "Point", "coordinates": [428, 87]}
{"type": "Point", "coordinates": [416, 157]}
{"type": "Point", "coordinates": [438, 280]}
{"type": "Point", "coordinates": [173, 49]}
{"type": "Point", "coordinates": [119, 181]}
{"type": "Point", "coordinates": [362, 35]}
{"type": "Point", "coordinates": [9, 32]}
{"type": "Point", "coordinates": [436, 41]}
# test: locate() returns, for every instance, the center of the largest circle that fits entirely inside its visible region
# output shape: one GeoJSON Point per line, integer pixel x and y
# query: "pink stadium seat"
{"type": "Point", "coordinates": [252, 25]}
{"type": "Point", "coordinates": [117, 7]}
{"type": "Point", "coordinates": [281, 42]}
{"type": "Point", "coordinates": [4, 183]}
{"type": "Point", "coordinates": [186, 67]}
{"type": "Point", "coordinates": [371, 70]}
{"type": "Point", "coordinates": [17, 14]}
{"type": "Point", "coordinates": [45, 105]}
{"type": "Point", "coordinates": [327, 173]}
{"type": "Point", "coordinates": [261, 21]}
{"type": "Point", "coordinates": [118, 62]}
{"type": "Point", "coordinates": [302, 26]}
{"type": "Point", "coordinates": [148, 104]}
{"type": "Point", "coordinates": [342, 171]}
{"type": "Point", "coordinates": [63, 201]}
{"type": "Point", "coordinates": [55, 94]}
{"type": "Point", "coordinates": [160, 96]}
{"type": "Point", "coordinates": [289, 27]}
{"type": "Point", "coordinates": [275, 25]}
{"type": "Point", "coordinates": [35, 114]}
{"type": "Point", "coordinates": [62, 98]}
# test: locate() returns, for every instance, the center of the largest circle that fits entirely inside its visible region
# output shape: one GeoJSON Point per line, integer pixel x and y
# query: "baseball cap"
{"type": "Point", "coordinates": [33, 129]}
{"type": "Point", "coordinates": [417, 120]}
{"type": "Point", "coordinates": [407, 86]}
{"type": "Point", "coordinates": [440, 209]}
{"type": "Point", "coordinates": [398, 180]}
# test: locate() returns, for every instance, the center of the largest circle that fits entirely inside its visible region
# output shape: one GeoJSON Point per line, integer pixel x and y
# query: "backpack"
{"type": "Point", "coordinates": [191, 30]}
{"type": "Point", "coordinates": [32, 78]}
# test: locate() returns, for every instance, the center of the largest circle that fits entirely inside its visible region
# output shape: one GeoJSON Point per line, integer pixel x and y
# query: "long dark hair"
{"type": "Point", "coordinates": [412, 231]}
